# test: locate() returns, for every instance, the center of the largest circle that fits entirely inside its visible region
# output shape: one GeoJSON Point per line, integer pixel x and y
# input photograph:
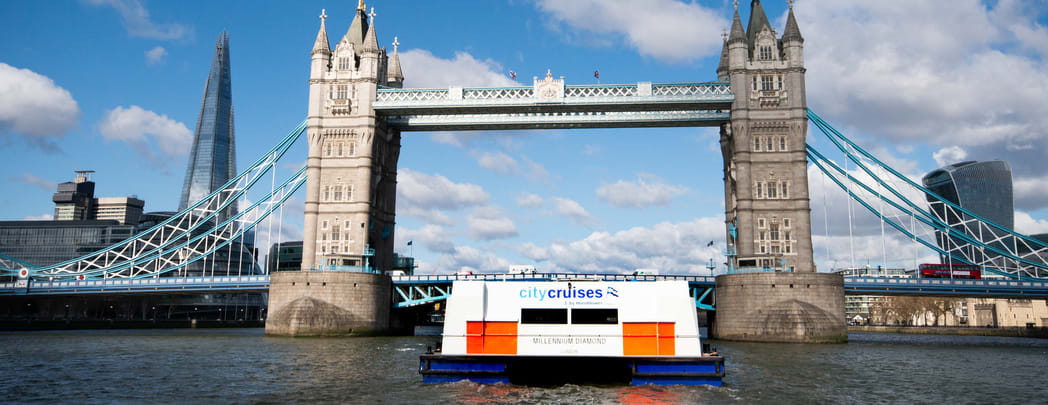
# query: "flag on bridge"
{"type": "Point", "coordinates": [513, 74]}
{"type": "Point", "coordinates": [596, 73]}
{"type": "Point", "coordinates": [409, 243]}
{"type": "Point", "coordinates": [707, 245]}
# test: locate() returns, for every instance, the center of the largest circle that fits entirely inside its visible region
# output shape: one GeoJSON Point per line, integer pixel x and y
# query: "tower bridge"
{"type": "Point", "coordinates": [358, 110]}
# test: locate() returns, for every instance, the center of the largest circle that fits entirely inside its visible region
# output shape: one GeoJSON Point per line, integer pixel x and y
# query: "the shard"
{"type": "Point", "coordinates": [212, 161]}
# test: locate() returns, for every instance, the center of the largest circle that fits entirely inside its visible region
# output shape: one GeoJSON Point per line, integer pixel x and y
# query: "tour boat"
{"type": "Point", "coordinates": [578, 331]}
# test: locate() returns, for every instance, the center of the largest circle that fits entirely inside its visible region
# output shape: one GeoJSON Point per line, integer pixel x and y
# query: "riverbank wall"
{"type": "Point", "coordinates": [1041, 333]}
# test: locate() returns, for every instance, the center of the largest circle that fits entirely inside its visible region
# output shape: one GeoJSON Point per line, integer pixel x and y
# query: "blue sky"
{"type": "Point", "coordinates": [115, 85]}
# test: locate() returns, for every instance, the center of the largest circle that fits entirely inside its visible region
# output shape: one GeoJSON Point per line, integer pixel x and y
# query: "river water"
{"type": "Point", "coordinates": [243, 366]}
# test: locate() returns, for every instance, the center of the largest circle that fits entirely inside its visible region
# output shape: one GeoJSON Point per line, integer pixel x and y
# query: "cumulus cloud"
{"type": "Point", "coordinates": [145, 130]}
{"type": "Point", "coordinates": [471, 259]}
{"type": "Point", "coordinates": [423, 69]}
{"type": "Point", "coordinates": [489, 223]}
{"type": "Point", "coordinates": [949, 155]}
{"type": "Point", "coordinates": [426, 196]}
{"type": "Point", "coordinates": [498, 162]}
{"type": "Point", "coordinates": [432, 237]}
{"type": "Point", "coordinates": [33, 106]}
{"type": "Point", "coordinates": [42, 217]}
{"type": "Point", "coordinates": [648, 190]}
{"type": "Point", "coordinates": [677, 248]}
{"type": "Point", "coordinates": [1027, 225]}
{"type": "Point", "coordinates": [138, 23]}
{"type": "Point", "coordinates": [529, 201]}
{"type": "Point", "coordinates": [35, 181]}
{"type": "Point", "coordinates": [903, 71]}
{"type": "Point", "coordinates": [1031, 193]}
{"type": "Point", "coordinates": [156, 55]}
{"type": "Point", "coordinates": [574, 212]}
{"type": "Point", "coordinates": [667, 30]}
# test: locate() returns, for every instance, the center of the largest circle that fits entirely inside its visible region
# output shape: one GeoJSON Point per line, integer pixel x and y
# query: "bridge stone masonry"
{"type": "Point", "coordinates": [358, 110]}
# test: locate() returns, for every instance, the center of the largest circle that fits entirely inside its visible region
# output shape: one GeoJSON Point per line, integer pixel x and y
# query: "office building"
{"type": "Point", "coordinates": [74, 200]}
{"type": "Point", "coordinates": [212, 161]}
{"type": "Point", "coordinates": [982, 188]}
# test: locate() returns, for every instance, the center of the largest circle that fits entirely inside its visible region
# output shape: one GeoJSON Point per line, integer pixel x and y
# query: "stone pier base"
{"type": "Point", "coordinates": [316, 303]}
{"type": "Point", "coordinates": [781, 307]}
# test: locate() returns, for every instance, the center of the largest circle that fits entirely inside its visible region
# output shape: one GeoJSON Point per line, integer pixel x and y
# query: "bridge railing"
{"type": "Point", "coordinates": [419, 279]}
{"type": "Point", "coordinates": [632, 93]}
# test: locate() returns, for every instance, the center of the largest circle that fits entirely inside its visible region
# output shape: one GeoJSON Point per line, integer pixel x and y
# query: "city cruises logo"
{"type": "Point", "coordinates": [542, 294]}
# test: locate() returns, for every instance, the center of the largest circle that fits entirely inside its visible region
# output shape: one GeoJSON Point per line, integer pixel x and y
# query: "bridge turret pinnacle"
{"type": "Point", "coordinates": [394, 75]}
{"type": "Point", "coordinates": [371, 39]}
{"type": "Point", "coordinates": [357, 29]}
{"type": "Point", "coordinates": [758, 20]}
{"type": "Point", "coordinates": [737, 32]}
{"type": "Point", "coordinates": [792, 32]}
{"type": "Point", "coordinates": [321, 44]}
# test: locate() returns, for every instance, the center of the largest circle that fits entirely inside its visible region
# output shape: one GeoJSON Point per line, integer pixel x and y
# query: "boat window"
{"type": "Point", "coordinates": [597, 316]}
{"type": "Point", "coordinates": [544, 315]}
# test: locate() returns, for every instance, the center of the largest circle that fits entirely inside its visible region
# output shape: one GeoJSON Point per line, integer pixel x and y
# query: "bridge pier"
{"type": "Point", "coordinates": [328, 303]}
{"type": "Point", "coordinates": [780, 307]}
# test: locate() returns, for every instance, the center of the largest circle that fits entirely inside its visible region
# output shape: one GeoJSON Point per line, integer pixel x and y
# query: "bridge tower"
{"type": "Point", "coordinates": [776, 294]}
{"type": "Point", "coordinates": [350, 192]}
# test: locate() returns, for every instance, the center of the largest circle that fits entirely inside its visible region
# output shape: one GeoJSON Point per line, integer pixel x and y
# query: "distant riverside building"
{"type": "Point", "coordinates": [983, 188]}
{"type": "Point", "coordinates": [857, 308]}
{"type": "Point", "coordinates": [285, 256]}
{"type": "Point", "coordinates": [44, 243]}
{"type": "Point", "coordinates": [75, 201]}
{"type": "Point", "coordinates": [212, 161]}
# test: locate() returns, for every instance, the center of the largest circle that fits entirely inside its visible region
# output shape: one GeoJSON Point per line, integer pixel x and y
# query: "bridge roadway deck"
{"type": "Point", "coordinates": [432, 288]}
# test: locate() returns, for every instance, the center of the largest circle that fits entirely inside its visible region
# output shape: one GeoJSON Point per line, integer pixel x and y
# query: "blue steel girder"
{"type": "Point", "coordinates": [567, 106]}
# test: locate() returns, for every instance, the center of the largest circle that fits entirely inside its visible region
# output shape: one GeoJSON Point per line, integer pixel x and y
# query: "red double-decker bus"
{"type": "Point", "coordinates": [956, 270]}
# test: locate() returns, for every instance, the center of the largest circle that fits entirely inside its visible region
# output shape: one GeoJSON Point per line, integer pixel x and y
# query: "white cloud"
{"type": "Point", "coordinates": [489, 223]}
{"type": "Point", "coordinates": [156, 55]}
{"type": "Point", "coordinates": [498, 162]}
{"type": "Point", "coordinates": [42, 217]}
{"type": "Point", "coordinates": [432, 237]}
{"type": "Point", "coordinates": [35, 181]}
{"type": "Point", "coordinates": [138, 23]}
{"type": "Point", "coordinates": [529, 201]}
{"type": "Point", "coordinates": [673, 248]}
{"type": "Point", "coordinates": [667, 30]}
{"type": "Point", "coordinates": [574, 212]}
{"type": "Point", "coordinates": [143, 129]}
{"type": "Point", "coordinates": [471, 259]}
{"type": "Point", "coordinates": [1031, 193]}
{"type": "Point", "coordinates": [32, 105]}
{"type": "Point", "coordinates": [904, 71]}
{"type": "Point", "coordinates": [426, 197]}
{"type": "Point", "coordinates": [424, 70]}
{"type": "Point", "coordinates": [1027, 225]}
{"type": "Point", "coordinates": [949, 155]}
{"type": "Point", "coordinates": [648, 190]}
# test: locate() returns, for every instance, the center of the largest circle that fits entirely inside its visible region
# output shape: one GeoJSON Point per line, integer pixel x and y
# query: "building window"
{"type": "Point", "coordinates": [774, 249]}
{"type": "Point", "coordinates": [785, 222]}
{"type": "Point", "coordinates": [323, 225]}
{"type": "Point", "coordinates": [754, 83]}
{"type": "Point", "coordinates": [343, 91]}
{"type": "Point", "coordinates": [759, 194]}
{"type": "Point", "coordinates": [782, 144]}
{"type": "Point", "coordinates": [785, 190]}
{"type": "Point", "coordinates": [340, 149]}
{"type": "Point", "coordinates": [352, 149]}
{"type": "Point", "coordinates": [760, 236]}
{"type": "Point", "coordinates": [756, 144]}
{"type": "Point", "coordinates": [327, 193]}
{"type": "Point", "coordinates": [764, 249]}
{"type": "Point", "coordinates": [788, 247]}
{"type": "Point", "coordinates": [343, 63]}
{"type": "Point", "coordinates": [767, 83]}
{"type": "Point", "coordinates": [338, 193]}
{"type": "Point", "coordinates": [760, 223]}
{"type": "Point", "coordinates": [323, 249]}
{"type": "Point", "coordinates": [772, 186]}
{"type": "Point", "coordinates": [787, 235]}
{"type": "Point", "coordinates": [349, 194]}
{"type": "Point", "coordinates": [328, 151]}
{"type": "Point", "coordinates": [774, 232]}
{"type": "Point", "coordinates": [323, 236]}
{"type": "Point", "coordinates": [765, 53]}
{"type": "Point", "coordinates": [346, 224]}
{"type": "Point", "coordinates": [781, 83]}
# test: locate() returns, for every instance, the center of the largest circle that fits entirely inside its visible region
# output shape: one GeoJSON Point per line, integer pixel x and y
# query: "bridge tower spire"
{"type": "Point", "coordinates": [767, 210]}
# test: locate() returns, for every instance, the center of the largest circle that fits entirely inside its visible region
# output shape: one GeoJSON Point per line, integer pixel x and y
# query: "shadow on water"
{"type": "Point", "coordinates": [241, 365]}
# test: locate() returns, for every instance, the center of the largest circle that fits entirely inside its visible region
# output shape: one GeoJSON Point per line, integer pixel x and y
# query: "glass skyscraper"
{"type": "Point", "coordinates": [212, 161]}
{"type": "Point", "coordinates": [983, 188]}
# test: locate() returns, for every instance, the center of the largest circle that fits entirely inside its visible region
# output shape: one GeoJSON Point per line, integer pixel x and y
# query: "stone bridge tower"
{"type": "Point", "coordinates": [767, 211]}
{"type": "Point", "coordinates": [350, 192]}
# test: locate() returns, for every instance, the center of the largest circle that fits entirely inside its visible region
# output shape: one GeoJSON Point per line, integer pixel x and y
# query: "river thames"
{"type": "Point", "coordinates": [243, 366]}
